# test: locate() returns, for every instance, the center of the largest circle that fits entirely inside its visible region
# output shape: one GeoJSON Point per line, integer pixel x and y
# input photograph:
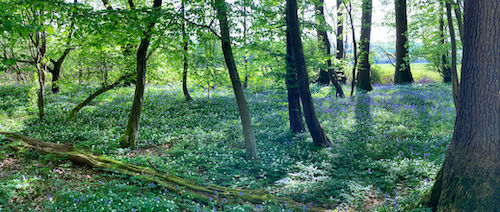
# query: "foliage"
{"type": "Point", "coordinates": [387, 146]}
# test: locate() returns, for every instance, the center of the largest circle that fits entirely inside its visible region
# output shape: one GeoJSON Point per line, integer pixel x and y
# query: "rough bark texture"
{"type": "Point", "coordinates": [402, 73]}
{"type": "Point", "coordinates": [185, 39]}
{"type": "Point", "coordinates": [246, 121]}
{"type": "Point", "coordinates": [294, 110]}
{"type": "Point", "coordinates": [132, 130]}
{"type": "Point", "coordinates": [317, 132]}
{"type": "Point", "coordinates": [454, 75]}
{"type": "Point", "coordinates": [324, 45]}
{"type": "Point", "coordinates": [95, 94]}
{"type": "Point", "coordinates": [468, 180]}
{"type": "Point", "coordinates": [173, 183]}
{"type": "Point", "coordinates": [364, 82]}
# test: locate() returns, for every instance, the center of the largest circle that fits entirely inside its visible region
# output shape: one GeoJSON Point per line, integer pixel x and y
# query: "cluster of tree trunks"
{"type": "Point", "coordinates": [315, 129]}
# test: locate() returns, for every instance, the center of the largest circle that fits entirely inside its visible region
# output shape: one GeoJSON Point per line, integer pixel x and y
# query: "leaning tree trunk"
{"type": "Point", "coordinates": [294, 110]}
{"type": "Point", "coordinates": [325, 47]}
{"type": "Point", "coordinates": [317, 132]}
{"type": "Point", "coordinates": [132, 129]}
{"type": "Point", "coordinates": [468, 179]}
{"type": "Point", "coordinates": [454, 75]}
{"type": "Point", "coordinates": [246, 121]}
{"type": "Point", "coordinates": [402, 73]}
{"type": "Point", "coordinates": [364, 81]}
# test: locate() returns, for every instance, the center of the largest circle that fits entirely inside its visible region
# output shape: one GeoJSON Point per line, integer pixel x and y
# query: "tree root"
{"type": "Point", "coordinates": [173, 183]}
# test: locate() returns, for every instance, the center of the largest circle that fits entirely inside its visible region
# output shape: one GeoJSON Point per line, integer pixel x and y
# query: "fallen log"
{"type": "Point", "coordinates": [95, 94]}
{"type": "Point", "coordinates": [175, 184]}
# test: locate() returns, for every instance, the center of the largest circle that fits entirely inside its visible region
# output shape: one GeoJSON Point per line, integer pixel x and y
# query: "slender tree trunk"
{"type": "Point", "coordinates": [468, 179]}
{"type": "Point", "coordinates": [364, 81]}
{"type": "Point", "coordinates": [340, 36]}
{"type": "Point", "coordinates": [132, 130]}
{"type": "Point", "coordinates": [402, 73]}
{"type": "Point", "coordinates": [324, 45]}
{"type": "Point", "coordinates": [185, 39]}
{"type": "Point", "coordinates": [294, 110]}
{"type": "Point", "coordinates": [458, 15]}
{"type": "Point", "coordinates": [246, 121]}
{"type": "Point", "coordinates": [354, 49]}
{"type": "Point", "coordinates": [317, 132]}
{"type": "Point", "coordinates": [445, 67]}
{"type": "Point", "coordinates": [454, 75]}
{"type": "Point", "coordinates": [97, 93]}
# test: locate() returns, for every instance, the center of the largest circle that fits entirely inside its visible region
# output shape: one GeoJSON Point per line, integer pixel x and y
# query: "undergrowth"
{"type": "Point", "coordinates": [387, 146]}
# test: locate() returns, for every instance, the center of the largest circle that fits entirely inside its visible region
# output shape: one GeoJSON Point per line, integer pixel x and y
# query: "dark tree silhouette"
{"type": "Point", "coordinates": [364, 82]}
{"type": "Point", "coordinates": [317, 132]}
{"type": "Point", "coordinates": [402, 73]}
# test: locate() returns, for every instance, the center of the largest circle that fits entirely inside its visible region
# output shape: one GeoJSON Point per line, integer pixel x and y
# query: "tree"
{"type": "Point", "coordinates": [364, 82]}
{"type": "Point", "coordinates": [324, 45]}
{"type": "Point", "coordinates": [340, 31]}
{"type": "Point", "coordinates": [454, 75]}
{"type": "Point", "coordinates": [185, 40]}
{"type": "Point", "coordinates": [468, 179]}
{"type": "Point", "coordinates": [294, 110]}
{"type": "Point", "coordinates": [132, 129]}
{"type": "Point", "coordinates": [317, 132]}
{"type": "Point", "coordinates": [402, 73]}
{"type": "Point", "coordinates": [246, 121]}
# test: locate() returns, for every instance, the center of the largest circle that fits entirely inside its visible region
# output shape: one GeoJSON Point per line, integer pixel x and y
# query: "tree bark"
{"type": "Point", "coordinates": [246, 121]}
{"type": "Point", "coordinates": [402, 73]}
{"type": "Point", "coordinates": [458, 15]}
{"type": "Point", "coordinates": [454, 75]}
{"type": "Point", "coordinates": [324, 45]}
{"type": "Point", "coordinates": [132, 130]}
{"type": "Point", "coordinates": [317, 132]}
{"type": "Point", "coordinates": [185, 39]}
{"type": "Point", "coordinates": [294, 110]}
{"type": "Point", "coordinates": [468, 179]}
{"type": "Point", "coordinates": [364, 81]}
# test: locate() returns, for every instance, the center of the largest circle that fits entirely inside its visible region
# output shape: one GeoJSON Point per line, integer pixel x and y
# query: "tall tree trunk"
{"type": "Point", "coordinates": [132, 129]}
{"type": "Point", "coordinates": [364, 81]}
{"type": "Point", "coordinates": [445, 67]}
{"type": "Point", "coordinates": [402, 73]}
{"type": "Point", "coordinates": [185, 39]}
{"type": "Point", "coordinates": [340, 36]}
{"type": "Point", "coordinates": [468, 179]}
{"type": "Point", "coordinates": [454, 75]}
{"type": "Point", "coordinates": [317, 132]}
{"type": "Point", "coordinates": [354, 49]}
{"type": "Point", "coordinates": [246, 121]}
{"type": "Point", "coordinates": [340, 31]}
{"type": "Point", "coordinates": [325, 47]}
{"type": "Point", "coordinates": [294, 110]}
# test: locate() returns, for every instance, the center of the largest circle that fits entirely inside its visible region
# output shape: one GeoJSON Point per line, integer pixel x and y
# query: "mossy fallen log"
{"type": "Point", "coordinates": [173, 183]}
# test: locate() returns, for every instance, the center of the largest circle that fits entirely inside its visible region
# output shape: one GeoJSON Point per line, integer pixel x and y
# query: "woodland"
{"type": "Point", "coordinates": [249, 105]}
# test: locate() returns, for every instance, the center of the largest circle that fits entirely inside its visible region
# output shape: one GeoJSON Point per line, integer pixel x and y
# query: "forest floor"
{"type": "Point", "coordinates": [387, 146]}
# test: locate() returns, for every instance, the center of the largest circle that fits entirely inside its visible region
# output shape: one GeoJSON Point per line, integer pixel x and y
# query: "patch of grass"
{"type": "Point", "coordinates": [386, 146]}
